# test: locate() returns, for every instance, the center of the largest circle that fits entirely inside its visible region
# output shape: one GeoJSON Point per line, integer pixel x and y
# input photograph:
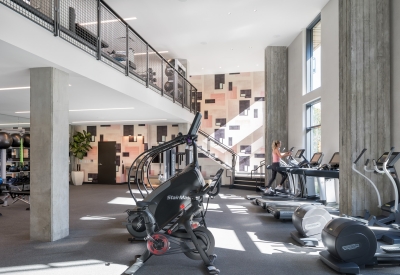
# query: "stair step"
{"type": "Point", "coordinates": [250, 183]}
{"type": "Point", "coordinates": [249, 179]}
{"type": "Point", "coordinates": [244, 187]}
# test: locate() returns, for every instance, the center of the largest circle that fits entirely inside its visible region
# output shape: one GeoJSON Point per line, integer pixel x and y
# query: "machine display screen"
{"type": "Point", "coordinates": [195, 125]}
{"type": "Point", "coordinates": [299, 153]}
{"type": "Point", "coordinates": [384, 156]}
{"type": "Point", "coordinates": [315, 158]}
{"type": "Point", "coordinates": [335, 159]}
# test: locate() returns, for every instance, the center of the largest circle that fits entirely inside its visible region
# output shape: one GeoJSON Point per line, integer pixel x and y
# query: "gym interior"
{"type": "Point", "coordinates": [135, 138]}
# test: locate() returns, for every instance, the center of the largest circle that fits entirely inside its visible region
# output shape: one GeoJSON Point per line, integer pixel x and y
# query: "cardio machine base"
{"type": "Point", "coordinates": [337, 265]}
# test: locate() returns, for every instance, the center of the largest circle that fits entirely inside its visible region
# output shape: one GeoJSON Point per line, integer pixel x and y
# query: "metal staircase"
{"type": "Point", "coordinates": [213, 143]}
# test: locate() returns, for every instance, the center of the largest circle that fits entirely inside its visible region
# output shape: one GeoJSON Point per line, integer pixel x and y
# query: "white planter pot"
{"type": "Point", "coordinates": [77, 177]}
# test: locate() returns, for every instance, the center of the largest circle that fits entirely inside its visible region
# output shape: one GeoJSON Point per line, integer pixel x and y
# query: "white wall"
{"type": "Point", "coordinates": [329, 90]}
{"type": "Point", "coordinates": [395, 71]}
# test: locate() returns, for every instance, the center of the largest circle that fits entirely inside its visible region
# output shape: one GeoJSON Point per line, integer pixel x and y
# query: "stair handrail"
{"type": "Point", "coordinates": [217, 142]}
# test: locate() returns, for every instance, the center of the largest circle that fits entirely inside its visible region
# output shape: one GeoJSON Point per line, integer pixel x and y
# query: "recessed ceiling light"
{"type": "Point", "coordinates": [229, 13]}
{"type": "Point", "coordinates": [202, 68]}
{"type": "Point", "coordinates": [107, 21]}
{"type": "Point", "coordinates": [14, 88]}
{"type": "Point", "coordinates": [220, 67]}
{"type": "Point", "coordinates": [105, 121]}
{"type": "Point", "coordinates": [231, 49]}
{"type": "Point", "coordinates": [23, 112]}
{"type": "Point", "coordinates": [238, 65]}
{"type": "Point", "coordinates": [69, 85]}
{"type": "Point", "coordinates": [255, 10]}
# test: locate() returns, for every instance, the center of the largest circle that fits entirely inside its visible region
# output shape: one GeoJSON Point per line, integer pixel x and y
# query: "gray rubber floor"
{"type": "Point", "coordinates": [248, 240]}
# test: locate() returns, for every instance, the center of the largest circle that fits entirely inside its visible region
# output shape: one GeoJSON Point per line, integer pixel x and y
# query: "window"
{"type": "Point", "coordinates": [313, 131]}
{"type": "Point", "coordinates": [313, 54]}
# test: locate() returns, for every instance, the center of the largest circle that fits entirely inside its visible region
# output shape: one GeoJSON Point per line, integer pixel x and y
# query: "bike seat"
{"type": "Point", "coordinates": [142, 204]}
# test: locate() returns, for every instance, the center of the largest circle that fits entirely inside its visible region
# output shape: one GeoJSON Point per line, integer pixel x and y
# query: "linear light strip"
{"type": "Point", "coordinates": [85, 110]}
{"type": "Point", "coordinates": [150, 53]}
{"type": "Point", "coordinates": [107, 21]}
{"type": "Point", "coordinates": [106, 121]}
{"type": "Point", "coordinates": [14, 88]}
{"type": "Point", "coordinates": [17, 123]}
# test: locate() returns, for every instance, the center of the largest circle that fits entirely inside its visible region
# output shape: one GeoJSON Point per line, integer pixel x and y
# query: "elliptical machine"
{"type": "Point", "coordinates": [351, 244]}
{"type": "Point", "coordinates": [168, 214]}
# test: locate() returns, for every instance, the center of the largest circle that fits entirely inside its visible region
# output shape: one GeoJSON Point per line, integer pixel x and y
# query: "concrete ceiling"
{"type": "Point", "coordinates": [83, 93]}
{"type": "Point", "coordinates": [218, 36]}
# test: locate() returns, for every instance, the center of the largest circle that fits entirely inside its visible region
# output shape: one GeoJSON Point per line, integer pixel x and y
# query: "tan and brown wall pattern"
{"type": "Point", "coordinates": [232, 106]}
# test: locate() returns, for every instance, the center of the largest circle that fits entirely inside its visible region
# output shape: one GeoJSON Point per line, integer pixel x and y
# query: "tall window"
{"type": "Point", "coordinates": [313, 127]}
{"type": "Point", "coordinates": [314, 54]}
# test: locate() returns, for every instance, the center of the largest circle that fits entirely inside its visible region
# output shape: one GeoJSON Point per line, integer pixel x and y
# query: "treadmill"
{"type": "Point", "coordinates": [306, 189]}
{"type": "Point", "coordinates": [291, 162]}
{"type": "Point", "coordinates": [284, 210]}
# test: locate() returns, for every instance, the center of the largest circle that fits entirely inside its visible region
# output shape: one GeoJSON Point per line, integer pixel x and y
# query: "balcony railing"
{"type": "Point", "coordinates": [95, 28]}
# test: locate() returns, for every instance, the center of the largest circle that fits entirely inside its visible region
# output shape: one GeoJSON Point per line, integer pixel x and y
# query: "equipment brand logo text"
{"type": "Point", "coordinates": [170, 197]}
{"type": "Point", "coordinates": [312, 225]}
{"type": "Point", "coordinates": [351, 246]}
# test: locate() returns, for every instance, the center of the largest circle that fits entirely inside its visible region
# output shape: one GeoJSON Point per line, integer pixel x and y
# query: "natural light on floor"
{"type": "Point", "coordinates": [123, 201]}
{"type": "Point", "coordinates": [230, 197]}
{"type": "Point", "coordinates": [136, 191]}
{"type": "Point", "coordinates": [237, 209]}
{"type": "Point", "coordinates": [74, 267]}
{"type": "Point", "coordinates": [225, 238]}
{"type": "Point", "coordinates": [213, 207]}
{"type": "Point", "coordinates": [268, 247]}
{"type": "Point", "coordinates": [96, 218]}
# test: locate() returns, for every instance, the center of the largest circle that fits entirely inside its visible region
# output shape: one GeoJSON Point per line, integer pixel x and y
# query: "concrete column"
{"type": "Point", "coordinates": [49, 220]}
{"type": "Point", "coordinates": [3, 160]}
{"type": "Point", "coordinates": [276, 100]}
{"type": "Point", "coordinates": [364, 99]}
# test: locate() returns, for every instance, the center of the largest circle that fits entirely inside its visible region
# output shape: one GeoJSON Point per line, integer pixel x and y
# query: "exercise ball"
{"type": "Point", "coordinates": [16, 140]}
{"type": "Point", "coordinates": [27, 140]}
{"type": "Point", "coordinates": [168, 86]}
{"type": "Point", "coordinates": [169, 71]}
{"type": "Point", "coordinates": [5, 140]}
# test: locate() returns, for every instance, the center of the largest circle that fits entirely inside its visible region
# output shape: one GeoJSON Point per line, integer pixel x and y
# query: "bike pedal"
{"type": "Point", "coordinates": [212, 269]}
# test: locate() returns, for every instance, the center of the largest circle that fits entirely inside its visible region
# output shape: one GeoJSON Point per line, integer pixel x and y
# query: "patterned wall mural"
{"type": "Point", "coordinates": [131, 140]}
{"type": "Point", "coordinates": [233, 107]}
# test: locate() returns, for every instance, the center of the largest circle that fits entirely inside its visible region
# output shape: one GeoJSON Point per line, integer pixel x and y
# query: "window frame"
{"type": "Point", "coordinates": [309, 52]}
{"type": "Point", "coordinates": [310, 127]}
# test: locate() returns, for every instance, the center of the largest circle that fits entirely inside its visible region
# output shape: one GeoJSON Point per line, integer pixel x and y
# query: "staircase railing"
{"type": "Point", "coordinates": [94, 27]}
{"type": "Point", "coordinates": [262, 164]}
{"type": "Point", "coordinates": [223, 146]}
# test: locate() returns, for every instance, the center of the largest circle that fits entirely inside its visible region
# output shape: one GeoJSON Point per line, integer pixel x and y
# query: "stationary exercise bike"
{"type": "Point", "coordinates": [172, 215]}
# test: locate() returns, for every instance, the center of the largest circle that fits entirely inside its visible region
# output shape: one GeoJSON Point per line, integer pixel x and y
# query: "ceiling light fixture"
{"type": "Point", "coordinates": [150, 53]}
{"type": "Point", "coordinates": [14, 88]}
{"type": "Point", "coordinates": [107, 21]}
{"type": "Point", "coordinates": [18, 123]}
{"type": "Point", "coordinates": [85, 110]}
{"type": "Point", "coordinates": [229, 13]}
{"type": "Point", "coordinates": [106, 121]}
{"type": "Point", "coordinates": [255, 10]}
{"type": "Point", "coordinates": [69, 85]}
{"type": "Point", "coordinates": [104, 109]}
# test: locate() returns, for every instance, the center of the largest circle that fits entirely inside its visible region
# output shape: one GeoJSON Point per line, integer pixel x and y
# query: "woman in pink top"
{"type": "Point", "coordinates": [276, 157]}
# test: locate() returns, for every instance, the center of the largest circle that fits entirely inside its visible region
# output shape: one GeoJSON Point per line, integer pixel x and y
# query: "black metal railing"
{"type": "Point", "coordinates": [94, 27]}
{"type": "Point", "coordinates": [213, 156]}
{"type": "Point", "coordinates": [262, 164]}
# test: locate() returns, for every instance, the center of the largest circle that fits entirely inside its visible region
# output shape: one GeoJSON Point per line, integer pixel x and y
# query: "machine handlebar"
{"type": "Point", "coordinates": [362, 153]}
{"type": "Point", "coordinates": [366, 163]}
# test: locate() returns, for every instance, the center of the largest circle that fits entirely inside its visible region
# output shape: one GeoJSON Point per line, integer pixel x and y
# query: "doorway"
{"type": "Point", "coordinates": [106, 162]}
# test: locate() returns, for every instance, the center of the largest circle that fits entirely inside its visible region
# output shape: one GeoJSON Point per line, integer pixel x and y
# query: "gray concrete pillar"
{"type": "Point", "coordinates": [49, 220]}
{"type": "Point", "coordinates": [276, 100]}
{"type": "Point", "coordinates": [364, 98]}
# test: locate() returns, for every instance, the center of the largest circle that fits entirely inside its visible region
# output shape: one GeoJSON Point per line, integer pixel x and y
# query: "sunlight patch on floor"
{"type": "Point", "coordinates": [267, 247]}
{"type": "Point", "coordinates": [227, 239]}
{"type": "Point", "coordinates": [230, 197]}
{"type": "Point", "coordinates": [96, 218]}
{"type": "Point", "coordinates": [74, 267]}
{"type": "Point", "coordinates": [237, 209]}
{"type": "Point", "coordinates": [123, 201]}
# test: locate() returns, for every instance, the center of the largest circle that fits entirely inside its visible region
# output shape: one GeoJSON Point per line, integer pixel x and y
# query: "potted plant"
{"type": "Point", "coordinates": [79, 146]}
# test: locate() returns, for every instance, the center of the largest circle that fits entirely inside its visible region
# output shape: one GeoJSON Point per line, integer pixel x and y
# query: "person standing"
{"type": "Point", "coordinates": [276, 157]}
